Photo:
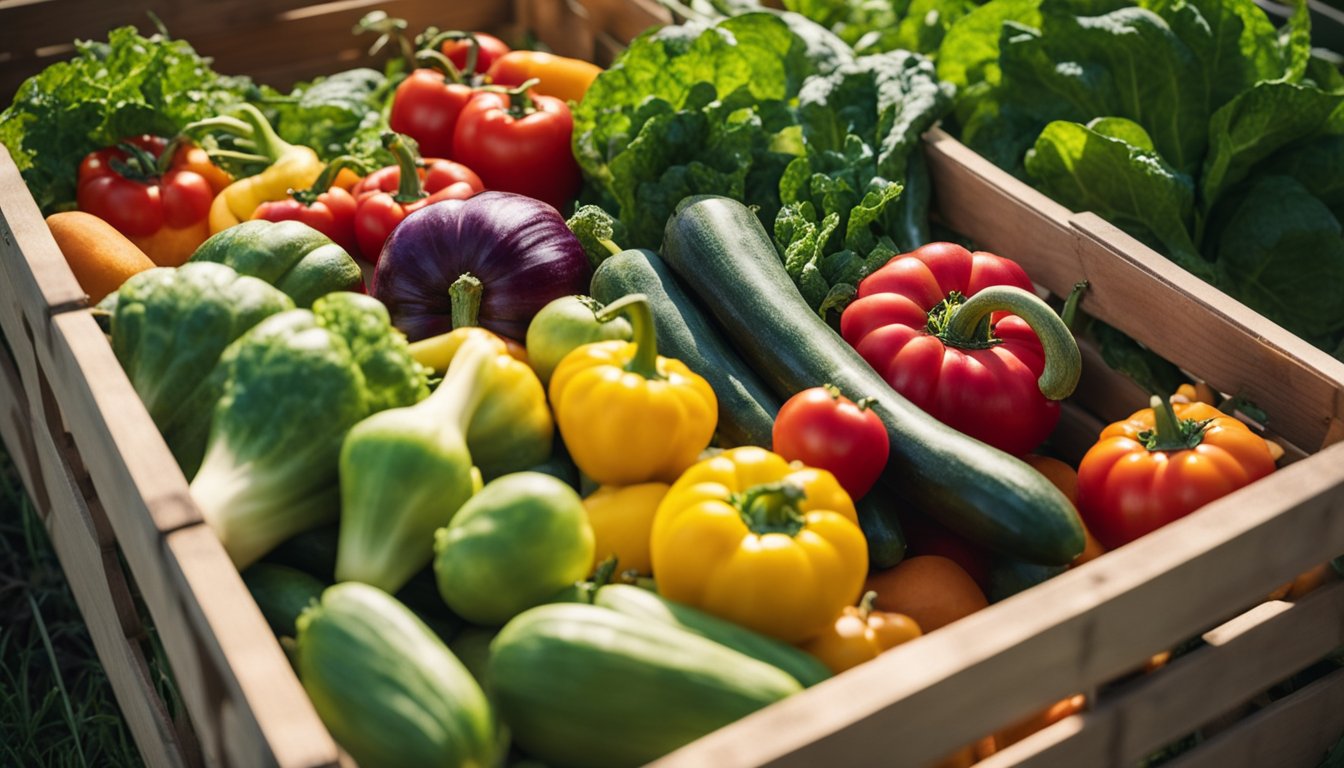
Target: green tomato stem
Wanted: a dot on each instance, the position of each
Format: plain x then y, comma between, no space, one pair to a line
645,334
1170,433
409,186
326,179
1063,361
771,508
464,296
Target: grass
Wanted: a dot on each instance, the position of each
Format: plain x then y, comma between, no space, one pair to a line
56,705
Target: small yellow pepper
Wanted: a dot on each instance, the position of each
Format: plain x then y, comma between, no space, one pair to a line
627,415
749,537
622,519
290,166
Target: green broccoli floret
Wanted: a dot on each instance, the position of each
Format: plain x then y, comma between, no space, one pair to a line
292,387
168,328
598,231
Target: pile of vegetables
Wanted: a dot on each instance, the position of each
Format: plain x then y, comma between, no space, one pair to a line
508,382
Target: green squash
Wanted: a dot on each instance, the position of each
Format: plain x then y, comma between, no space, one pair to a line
302,262
386,686
512,546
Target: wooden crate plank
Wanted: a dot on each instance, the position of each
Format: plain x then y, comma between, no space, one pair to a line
1294,732
1214,337
100,589
246,703
1244,657
978,199
16,430
35,278
1082,628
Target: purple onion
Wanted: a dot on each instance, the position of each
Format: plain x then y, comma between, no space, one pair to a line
518,248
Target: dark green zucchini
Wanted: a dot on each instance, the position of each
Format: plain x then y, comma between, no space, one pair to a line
747,407
281,593
718,248
881,529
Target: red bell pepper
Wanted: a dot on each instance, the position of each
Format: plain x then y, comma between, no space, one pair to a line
146,188
923,321
386,196
427,104
519,141
1161,464
325,206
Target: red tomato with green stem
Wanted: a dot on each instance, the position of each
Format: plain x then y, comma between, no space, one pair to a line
328,208
519,141
822,428
386,196
1161,464
459,46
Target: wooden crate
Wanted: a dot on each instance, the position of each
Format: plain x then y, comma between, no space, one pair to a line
106,485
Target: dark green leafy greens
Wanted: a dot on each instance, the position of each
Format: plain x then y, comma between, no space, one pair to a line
1194,125
759,107
128,85
341,114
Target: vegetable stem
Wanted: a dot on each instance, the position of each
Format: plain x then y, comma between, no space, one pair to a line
1063,361
409,186
464,296
645,336
463,388
1170,433
771,508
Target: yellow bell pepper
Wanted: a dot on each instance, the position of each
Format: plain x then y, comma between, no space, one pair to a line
626,414
622,519
290,166
749,537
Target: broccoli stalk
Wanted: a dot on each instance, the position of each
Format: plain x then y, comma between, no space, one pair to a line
292,387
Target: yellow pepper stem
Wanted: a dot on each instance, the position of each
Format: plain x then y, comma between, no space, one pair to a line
771,508
645,334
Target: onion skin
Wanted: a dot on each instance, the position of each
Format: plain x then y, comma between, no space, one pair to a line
519,249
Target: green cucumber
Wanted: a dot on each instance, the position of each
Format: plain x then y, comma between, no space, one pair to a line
1008,576
648,606
581,685
282,593
719,249
747,407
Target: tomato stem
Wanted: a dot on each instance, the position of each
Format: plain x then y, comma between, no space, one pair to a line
1063,361
464,296
771,508
326,179
473,52
409,186
635,306
1170,433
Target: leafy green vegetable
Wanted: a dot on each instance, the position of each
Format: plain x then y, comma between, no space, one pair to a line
876,26
168,330
320,372
1195,125
129,85
340,114
690,109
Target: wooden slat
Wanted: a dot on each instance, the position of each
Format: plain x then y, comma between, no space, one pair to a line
978,199
1294,732
147,500
1084,627
35,276
1244,657
88,557
273,41
246,703
1213,336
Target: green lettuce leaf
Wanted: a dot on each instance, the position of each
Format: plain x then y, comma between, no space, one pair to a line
1111,168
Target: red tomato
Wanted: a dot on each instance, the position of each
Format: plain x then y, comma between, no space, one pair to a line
519,142
1156,467
332,213
459,51
822,428
426,107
